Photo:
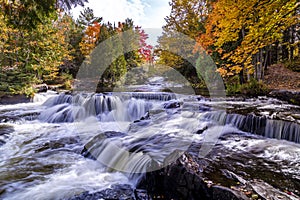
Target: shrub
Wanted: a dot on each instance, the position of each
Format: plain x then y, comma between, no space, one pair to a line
293,65
254,88
233,85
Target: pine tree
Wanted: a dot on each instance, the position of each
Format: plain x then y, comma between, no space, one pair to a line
87,18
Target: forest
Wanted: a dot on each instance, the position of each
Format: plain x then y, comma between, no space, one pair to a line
90,110
42,44
244,38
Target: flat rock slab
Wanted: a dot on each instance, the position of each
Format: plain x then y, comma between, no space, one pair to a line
292,97
14,99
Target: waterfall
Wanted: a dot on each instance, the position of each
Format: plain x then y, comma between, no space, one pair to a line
283,130
112,154
68,108
153,96
270,128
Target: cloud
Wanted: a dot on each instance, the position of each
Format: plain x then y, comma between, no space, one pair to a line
115,10
145,13
149,14
155,13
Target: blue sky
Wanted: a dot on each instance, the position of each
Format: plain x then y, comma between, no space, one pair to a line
145,13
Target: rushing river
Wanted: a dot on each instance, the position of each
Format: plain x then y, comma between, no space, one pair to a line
62,145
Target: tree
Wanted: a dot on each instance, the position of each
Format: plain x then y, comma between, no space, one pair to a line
242,32
186,17
73,36
90,39
32,56
28,14
116,49
87,18
145,50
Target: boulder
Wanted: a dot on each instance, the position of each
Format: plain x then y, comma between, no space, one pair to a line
41,88
292,97
14,99
183,179
116,192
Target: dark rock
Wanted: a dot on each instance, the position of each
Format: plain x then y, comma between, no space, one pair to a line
172,104
221,193
204,108
14,99
57,144
97,140
5,130
285,95
183,179
145,117
116,192
200,131
41,88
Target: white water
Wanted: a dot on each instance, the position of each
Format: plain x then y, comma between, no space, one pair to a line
41,157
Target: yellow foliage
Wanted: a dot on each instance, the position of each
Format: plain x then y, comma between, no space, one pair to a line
256,23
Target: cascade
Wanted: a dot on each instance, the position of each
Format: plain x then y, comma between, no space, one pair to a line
270,128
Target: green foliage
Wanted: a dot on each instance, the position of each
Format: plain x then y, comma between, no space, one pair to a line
293,65
31,57
186,18
87,18
73,35
66,80
233,85
108,49
28,14
254,88
243,31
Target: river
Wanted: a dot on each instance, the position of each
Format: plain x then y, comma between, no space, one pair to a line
61,145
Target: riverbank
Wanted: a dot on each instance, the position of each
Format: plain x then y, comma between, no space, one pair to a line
279,77
290,96
14,99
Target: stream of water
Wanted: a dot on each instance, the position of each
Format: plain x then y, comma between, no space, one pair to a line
62,145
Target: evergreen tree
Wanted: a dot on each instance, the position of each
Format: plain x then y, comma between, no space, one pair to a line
87,18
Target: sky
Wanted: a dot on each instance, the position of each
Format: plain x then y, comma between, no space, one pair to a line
145,13
149,14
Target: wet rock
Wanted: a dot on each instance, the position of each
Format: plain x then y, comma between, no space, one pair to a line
5,130
172,104
269,192
14,99
292,97
41,88
57,144
203,127
183,180
9,118
145,117
204,108
97,140
221,193
116,192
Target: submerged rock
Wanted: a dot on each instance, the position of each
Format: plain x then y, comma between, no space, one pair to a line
172,104
5,130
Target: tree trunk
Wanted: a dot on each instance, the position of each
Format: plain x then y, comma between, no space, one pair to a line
292,41
285,50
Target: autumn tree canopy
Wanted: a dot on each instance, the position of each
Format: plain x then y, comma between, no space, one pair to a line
243,32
